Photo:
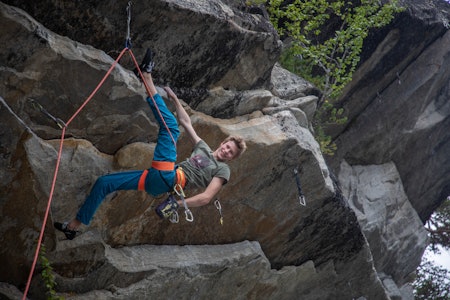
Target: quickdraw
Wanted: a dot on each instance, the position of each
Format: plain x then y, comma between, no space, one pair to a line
39,107
128,38
64,125
178,189
219,208
301,196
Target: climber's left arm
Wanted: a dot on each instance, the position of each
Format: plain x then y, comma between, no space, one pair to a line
207,195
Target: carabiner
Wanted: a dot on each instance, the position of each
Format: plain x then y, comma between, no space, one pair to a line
302,200
301,197
217,204
174,217
219,208
189,215
178,189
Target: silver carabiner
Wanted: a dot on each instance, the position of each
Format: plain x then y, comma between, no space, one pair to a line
174,217
302,200
179,190
217,204
219,208
301,197
189,215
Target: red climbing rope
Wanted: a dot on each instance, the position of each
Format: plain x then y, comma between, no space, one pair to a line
58,160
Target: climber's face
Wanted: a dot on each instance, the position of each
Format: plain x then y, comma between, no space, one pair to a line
226,151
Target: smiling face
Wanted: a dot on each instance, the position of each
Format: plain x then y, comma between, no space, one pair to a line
226,151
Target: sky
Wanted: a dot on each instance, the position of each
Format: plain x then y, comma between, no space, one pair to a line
442,259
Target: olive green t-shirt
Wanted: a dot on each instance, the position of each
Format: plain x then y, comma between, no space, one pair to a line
201,166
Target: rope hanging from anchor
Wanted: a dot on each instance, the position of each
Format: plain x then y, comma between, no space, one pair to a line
64,125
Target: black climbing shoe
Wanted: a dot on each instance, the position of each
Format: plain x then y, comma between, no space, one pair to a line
167,208
70,234
146,65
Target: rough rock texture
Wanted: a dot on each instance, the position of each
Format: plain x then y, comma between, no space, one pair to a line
376,195
223,66
399,99
216,44
236,271
8,291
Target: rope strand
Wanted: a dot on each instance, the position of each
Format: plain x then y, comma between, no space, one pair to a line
98,86
58,160
151,96
41,235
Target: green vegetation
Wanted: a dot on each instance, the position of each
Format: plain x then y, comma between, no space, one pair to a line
255,2
328,36
47,276
326,39
438,227
433,282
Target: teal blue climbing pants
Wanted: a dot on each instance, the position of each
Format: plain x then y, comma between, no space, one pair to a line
156,181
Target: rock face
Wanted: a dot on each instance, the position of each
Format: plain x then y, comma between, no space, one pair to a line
349,241
376,195
215,44
399,99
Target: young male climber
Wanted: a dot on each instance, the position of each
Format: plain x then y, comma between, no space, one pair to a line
204,168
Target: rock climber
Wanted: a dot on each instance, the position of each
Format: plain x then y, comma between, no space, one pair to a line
204,168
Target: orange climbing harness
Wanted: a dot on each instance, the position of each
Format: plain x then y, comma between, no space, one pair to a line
164,166
141,184
66,124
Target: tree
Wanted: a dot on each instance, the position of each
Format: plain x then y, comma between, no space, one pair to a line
433,282
438,227
327,36
326,42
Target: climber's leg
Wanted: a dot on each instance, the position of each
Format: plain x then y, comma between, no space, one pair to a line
102,187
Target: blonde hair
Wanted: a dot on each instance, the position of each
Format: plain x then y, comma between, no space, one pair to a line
240,143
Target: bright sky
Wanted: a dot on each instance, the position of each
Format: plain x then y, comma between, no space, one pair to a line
442,259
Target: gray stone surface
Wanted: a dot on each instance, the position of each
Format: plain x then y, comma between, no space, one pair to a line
328,249
391,225
398,105
203,272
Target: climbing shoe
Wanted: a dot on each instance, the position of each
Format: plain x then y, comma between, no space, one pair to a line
70,234
167,208
146,65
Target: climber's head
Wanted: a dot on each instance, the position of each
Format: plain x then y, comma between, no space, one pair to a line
232,147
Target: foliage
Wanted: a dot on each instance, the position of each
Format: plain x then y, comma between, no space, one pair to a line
47,276
328,115
432,282
329,35
326,43
254,2
438,227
